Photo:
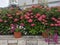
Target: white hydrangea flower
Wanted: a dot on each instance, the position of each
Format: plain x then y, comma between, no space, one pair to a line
24,28
21,27
25,33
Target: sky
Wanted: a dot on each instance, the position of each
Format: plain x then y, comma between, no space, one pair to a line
4,3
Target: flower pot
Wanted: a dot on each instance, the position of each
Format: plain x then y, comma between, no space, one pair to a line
45,34
17,34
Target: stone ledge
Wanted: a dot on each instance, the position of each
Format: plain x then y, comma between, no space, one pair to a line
10,37
24,40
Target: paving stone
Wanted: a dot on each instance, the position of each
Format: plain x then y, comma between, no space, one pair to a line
42,43
25,40
51,44
58,41
3,42
32,42
12,43
21,42
57,44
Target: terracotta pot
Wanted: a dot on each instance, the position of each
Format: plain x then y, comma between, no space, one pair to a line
45,34
17,34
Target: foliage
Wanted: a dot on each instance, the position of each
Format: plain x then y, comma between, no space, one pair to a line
35,20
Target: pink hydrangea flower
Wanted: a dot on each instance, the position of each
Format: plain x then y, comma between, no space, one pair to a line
52,25
9,15
46,23
32,16
54,19
44,20
37,15
11,24
31,13
1,20
21,17
32,25
30,20
56,24
15,20
28,14
27,17
22,24
30,10
58,21
40,18
43,16
33,6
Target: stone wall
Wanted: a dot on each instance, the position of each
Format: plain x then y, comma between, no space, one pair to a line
24,40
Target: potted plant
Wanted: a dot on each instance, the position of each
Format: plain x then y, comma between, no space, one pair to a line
18,32
45,34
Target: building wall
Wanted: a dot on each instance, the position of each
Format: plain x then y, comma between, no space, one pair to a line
29,2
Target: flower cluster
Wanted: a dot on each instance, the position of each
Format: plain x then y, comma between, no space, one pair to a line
57,21
35,19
